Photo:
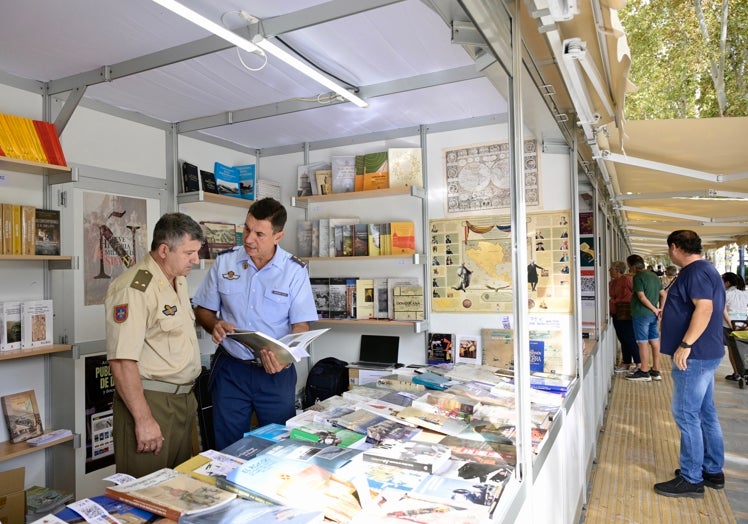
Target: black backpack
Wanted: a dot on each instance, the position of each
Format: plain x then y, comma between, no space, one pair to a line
328,377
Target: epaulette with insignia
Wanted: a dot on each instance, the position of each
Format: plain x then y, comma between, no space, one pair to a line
142,279
300,262
229,250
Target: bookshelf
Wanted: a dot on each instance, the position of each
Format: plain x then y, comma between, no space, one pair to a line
418,326
33,352
31,167
303,202
213,198
9,451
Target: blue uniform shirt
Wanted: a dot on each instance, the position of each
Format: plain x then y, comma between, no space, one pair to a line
269,300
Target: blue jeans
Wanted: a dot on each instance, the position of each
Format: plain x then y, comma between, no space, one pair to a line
701,444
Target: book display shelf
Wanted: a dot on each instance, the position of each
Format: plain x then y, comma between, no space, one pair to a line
9,450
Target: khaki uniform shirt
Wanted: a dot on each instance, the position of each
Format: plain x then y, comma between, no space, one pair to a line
147,321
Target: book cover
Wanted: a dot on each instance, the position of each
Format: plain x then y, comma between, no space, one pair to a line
462,492
537,354
376,181
251,511
42,500
431,380
439,349
343,172
36,323
28,230
22,415
324,237
481,451
208,465
447,404
329,457
334,246
403,239
408,303
336,237
305,177
321,293
409,454
468,349
359,420
381,299
246,177
227,180
274,432
286,482
347,240
392,283
400,383
391,429
351,304
376,162
329,435
287,350
170,494
315,238
406,166
10,331
498,347
338,307
432,421
365,298
323,181
387,477
249,446
7,228
121,511
47,239
50,436
208,182
17,236
190,178
219,236
304,230
361,240
373,240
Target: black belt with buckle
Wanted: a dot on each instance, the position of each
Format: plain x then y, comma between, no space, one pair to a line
255,362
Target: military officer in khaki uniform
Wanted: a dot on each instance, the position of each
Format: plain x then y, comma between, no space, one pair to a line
153,352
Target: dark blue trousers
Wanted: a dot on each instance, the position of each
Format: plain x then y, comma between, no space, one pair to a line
625,333
239,389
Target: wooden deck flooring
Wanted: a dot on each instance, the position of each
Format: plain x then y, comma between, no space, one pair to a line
639,446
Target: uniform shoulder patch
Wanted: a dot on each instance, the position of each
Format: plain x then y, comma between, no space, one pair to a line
229,250
300,262
142,279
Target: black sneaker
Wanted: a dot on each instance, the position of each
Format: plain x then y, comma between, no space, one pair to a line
656,375
680,487
711,480
732,376
639,375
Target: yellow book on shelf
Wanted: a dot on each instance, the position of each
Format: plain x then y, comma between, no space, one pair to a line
35,143
8,140
17,231
22,141
403,238
7,229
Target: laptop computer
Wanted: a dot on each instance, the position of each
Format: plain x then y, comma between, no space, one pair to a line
378,351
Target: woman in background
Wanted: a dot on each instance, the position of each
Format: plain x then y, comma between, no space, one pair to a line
620,289
736,308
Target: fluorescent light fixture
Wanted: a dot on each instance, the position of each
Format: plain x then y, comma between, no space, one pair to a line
260,46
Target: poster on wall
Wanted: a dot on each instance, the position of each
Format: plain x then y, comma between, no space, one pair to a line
471,264
114,238
99,418
478,176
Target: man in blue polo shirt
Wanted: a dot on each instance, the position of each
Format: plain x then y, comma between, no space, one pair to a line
255,287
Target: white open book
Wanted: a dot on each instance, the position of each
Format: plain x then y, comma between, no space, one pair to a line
289,349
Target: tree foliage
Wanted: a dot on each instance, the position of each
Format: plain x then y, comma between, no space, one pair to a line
686,62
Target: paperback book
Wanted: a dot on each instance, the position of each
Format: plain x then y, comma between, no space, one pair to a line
36,323
288,349
227,180
190,178
47,232
409,454
10,327
49,437
329,435
170,493
326,456
272,432
439,350
119,510
22,415
208,182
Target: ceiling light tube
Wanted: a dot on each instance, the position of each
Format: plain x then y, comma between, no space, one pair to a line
259,46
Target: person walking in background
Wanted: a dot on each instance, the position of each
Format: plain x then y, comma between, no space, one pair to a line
645,315
151,345
257,287
692,336
667,279
620,291
736,308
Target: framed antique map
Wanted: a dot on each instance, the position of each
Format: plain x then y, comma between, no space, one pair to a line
478,177
471,264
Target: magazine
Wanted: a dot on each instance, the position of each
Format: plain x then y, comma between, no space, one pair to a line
288,350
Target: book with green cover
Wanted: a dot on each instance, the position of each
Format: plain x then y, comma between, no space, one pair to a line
332,436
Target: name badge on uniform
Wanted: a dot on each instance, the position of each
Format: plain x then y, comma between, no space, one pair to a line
169,311
120,313
281,293
230,276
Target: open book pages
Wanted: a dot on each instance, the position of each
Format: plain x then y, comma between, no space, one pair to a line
288,350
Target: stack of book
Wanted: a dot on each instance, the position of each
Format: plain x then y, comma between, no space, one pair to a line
368,298
25,230
42,501
345,237
26,324
26,139
235,181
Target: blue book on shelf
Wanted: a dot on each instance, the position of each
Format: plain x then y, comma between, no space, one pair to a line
431,380
227,180
537,355
246,175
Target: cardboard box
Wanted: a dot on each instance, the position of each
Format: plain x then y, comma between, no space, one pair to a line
12,496
359,376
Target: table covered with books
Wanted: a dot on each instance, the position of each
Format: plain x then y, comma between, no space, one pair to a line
439,445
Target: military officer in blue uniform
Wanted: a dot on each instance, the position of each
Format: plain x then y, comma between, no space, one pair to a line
152,349
254,287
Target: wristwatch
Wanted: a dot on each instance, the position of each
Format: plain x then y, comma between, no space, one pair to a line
686,345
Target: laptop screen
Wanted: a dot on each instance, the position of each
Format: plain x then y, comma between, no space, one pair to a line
379,348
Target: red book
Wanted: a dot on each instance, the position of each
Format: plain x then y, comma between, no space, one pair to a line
50,142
